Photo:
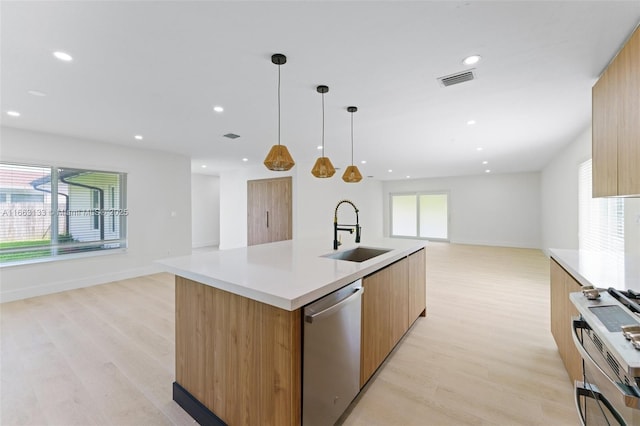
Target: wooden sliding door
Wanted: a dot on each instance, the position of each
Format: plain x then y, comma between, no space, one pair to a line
269,210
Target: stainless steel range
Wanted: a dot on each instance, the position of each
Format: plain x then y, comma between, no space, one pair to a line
607,335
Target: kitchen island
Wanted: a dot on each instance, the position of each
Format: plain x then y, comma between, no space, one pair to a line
239,321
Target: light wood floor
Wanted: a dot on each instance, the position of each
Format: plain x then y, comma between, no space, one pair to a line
483,355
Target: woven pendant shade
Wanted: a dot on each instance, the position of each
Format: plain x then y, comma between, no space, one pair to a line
323,168
279,159
352,175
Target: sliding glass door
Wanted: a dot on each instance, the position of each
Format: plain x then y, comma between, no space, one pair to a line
420,215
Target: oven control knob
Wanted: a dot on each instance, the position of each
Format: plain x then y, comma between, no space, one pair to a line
592,293
635,341
630,330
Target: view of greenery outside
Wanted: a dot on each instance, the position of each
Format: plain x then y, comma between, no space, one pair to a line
87,213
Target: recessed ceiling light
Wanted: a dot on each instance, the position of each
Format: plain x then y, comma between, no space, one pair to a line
408,176
363,162
479,148
245,159
473,59
138,137
471,122
487,171
204,166
36,93
13,113
63,56
485,162
319,147
390,170
218,108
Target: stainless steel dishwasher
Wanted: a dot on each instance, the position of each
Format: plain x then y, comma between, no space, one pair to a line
331,355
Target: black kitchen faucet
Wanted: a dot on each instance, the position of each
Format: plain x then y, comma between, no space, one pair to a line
343,227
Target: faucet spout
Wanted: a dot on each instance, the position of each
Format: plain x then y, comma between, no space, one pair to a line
343,227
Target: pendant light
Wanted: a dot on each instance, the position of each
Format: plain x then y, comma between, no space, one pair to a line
323,167
279,158
352,174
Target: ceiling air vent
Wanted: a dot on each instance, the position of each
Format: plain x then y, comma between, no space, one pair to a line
461,77
231,136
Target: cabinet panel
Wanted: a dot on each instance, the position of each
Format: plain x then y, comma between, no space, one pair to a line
375,340
399,301
605,136
269,210
393,298
240,358
628,74
417,285
562,310
615,124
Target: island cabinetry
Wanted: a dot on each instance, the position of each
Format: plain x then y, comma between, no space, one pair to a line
417,287
393,298
239,358
615,124
562,283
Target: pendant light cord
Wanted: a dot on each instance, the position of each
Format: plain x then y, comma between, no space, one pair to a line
352,139
278,104
323,124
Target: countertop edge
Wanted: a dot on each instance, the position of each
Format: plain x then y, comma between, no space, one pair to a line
370,266
566,265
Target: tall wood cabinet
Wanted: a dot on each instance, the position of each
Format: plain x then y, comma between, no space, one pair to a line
616,124
561,312
269,210
393,298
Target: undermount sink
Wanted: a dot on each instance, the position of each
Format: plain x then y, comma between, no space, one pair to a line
358,254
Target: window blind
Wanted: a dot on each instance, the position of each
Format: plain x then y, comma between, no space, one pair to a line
601,220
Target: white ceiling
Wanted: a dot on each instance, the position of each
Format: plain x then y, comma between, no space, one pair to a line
158,68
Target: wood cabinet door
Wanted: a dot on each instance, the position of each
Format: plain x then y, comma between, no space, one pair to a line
398,301
417,285
562,310
269,210
605,135
628,76
375,337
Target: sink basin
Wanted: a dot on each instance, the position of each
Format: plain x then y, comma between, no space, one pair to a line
358,254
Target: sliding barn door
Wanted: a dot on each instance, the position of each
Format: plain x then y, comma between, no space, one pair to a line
269,210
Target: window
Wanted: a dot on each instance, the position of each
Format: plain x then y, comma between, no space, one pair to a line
87,215
601,220
420,215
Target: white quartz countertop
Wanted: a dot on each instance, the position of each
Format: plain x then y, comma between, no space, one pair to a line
598,270
287,274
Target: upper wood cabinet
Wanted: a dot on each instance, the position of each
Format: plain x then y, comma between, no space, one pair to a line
616,124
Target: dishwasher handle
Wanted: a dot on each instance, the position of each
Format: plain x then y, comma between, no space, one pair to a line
357,293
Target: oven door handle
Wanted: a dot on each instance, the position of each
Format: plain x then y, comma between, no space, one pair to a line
591,391
576,323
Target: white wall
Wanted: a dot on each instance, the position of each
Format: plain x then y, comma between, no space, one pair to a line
317,200
498,210
314,202
205,210
159,221
559,203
